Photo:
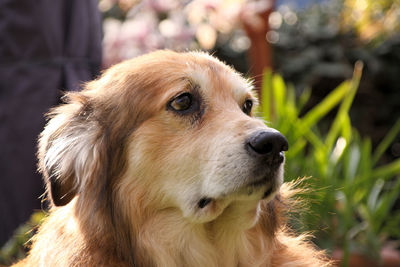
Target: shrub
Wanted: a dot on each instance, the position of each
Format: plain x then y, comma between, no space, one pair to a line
351,194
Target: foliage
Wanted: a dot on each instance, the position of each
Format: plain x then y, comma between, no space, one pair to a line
326,39
351,194
317,47
374,21
15,248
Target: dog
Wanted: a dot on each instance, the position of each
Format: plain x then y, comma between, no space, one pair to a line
160,162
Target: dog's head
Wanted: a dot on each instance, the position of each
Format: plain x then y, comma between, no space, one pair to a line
166,130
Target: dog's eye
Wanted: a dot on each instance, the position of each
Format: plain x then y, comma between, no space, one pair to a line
247,106
181,102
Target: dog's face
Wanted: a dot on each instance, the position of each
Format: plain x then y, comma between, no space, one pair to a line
174,131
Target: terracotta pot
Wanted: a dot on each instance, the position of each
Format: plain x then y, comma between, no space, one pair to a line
390,257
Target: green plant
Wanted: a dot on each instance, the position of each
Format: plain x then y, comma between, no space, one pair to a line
15,248
320,49
351,194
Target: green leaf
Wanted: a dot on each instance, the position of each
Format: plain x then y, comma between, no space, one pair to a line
279,95
381,148
303,99
385,205
388,170
342,118
346,128
391,226
365,161
266,94
373,196
296,148
291,102
288,119
353,162
321,109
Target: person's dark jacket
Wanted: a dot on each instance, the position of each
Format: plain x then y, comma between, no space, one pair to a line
45,46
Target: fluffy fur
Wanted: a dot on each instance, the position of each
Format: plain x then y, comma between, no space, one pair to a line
125,173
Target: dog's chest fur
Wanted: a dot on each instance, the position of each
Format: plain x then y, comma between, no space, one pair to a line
164,240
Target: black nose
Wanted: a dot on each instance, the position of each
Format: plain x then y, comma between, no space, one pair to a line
269,144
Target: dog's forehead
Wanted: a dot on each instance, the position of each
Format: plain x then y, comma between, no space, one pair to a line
212,75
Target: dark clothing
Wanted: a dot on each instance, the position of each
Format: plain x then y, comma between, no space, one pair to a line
45,46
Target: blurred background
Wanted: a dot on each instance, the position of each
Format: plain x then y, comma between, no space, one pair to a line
328,76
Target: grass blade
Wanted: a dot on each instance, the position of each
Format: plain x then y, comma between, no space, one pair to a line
344,108
326,105
279,95
381,148
266,94
388,170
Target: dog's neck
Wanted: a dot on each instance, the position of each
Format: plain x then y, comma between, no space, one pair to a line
235,238
87,237
241,236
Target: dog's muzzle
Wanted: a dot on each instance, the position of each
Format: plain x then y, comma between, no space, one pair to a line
266,149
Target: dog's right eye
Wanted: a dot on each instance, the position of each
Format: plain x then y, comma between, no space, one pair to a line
182,102
247,106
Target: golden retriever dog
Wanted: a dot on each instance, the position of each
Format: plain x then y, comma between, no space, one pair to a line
159,162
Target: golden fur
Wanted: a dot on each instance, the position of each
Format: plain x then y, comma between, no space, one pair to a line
125,174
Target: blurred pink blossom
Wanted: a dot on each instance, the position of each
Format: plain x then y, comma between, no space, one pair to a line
176,25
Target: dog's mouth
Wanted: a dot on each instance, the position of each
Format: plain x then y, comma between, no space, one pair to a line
261,182
266,184
264,187
203,202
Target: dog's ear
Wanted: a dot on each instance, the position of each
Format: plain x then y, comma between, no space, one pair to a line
70,150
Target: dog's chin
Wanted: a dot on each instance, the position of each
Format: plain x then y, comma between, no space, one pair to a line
264,188
208,208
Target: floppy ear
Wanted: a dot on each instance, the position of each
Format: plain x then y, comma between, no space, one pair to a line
70,150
